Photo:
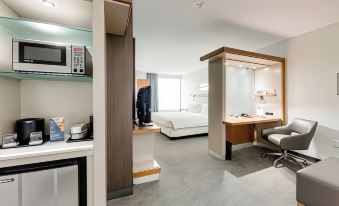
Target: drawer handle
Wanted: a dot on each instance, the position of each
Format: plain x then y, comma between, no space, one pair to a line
4,181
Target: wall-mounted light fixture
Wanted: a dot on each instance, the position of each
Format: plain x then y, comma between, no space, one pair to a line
203,87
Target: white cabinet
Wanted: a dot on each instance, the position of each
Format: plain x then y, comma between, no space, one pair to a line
38,188
52,187
67,186
9,190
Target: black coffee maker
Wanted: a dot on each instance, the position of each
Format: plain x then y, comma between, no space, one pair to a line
25,128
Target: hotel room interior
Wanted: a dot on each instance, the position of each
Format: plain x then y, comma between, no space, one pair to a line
182,102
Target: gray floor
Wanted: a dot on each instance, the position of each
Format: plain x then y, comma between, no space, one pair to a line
189,176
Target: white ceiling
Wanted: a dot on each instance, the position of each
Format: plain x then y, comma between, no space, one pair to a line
172,35
68,12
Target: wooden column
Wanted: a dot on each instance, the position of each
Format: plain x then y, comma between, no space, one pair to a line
216,107
120,70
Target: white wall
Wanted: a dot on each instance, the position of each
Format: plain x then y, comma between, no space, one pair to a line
269,78
140,75
47,99
190,85
9,88
9,105
99,104
239,90
312,67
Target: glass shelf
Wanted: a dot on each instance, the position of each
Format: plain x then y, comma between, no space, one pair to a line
47,77
41,31
34,30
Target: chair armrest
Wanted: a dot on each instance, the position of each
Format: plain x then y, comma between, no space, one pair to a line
276,130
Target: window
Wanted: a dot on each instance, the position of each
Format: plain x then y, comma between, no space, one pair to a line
169,93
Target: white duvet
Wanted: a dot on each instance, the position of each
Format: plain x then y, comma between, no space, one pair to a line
180,120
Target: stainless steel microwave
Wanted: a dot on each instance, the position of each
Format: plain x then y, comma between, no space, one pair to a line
46,57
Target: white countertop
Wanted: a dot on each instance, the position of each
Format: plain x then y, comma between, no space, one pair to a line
48,148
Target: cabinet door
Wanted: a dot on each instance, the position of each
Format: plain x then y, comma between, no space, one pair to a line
54,187
38,188
9,190
67,186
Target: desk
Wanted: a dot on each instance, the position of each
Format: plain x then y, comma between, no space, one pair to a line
243,130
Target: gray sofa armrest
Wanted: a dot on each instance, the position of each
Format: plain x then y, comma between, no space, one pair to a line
276,130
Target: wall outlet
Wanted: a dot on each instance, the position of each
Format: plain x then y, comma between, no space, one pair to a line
336,143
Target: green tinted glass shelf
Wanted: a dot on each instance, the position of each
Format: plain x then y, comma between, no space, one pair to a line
34,30
47,77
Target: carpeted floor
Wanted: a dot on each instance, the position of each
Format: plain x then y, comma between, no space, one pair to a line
189,176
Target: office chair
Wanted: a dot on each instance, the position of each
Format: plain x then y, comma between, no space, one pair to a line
295,136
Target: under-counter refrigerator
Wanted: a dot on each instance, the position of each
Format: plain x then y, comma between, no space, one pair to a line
41,187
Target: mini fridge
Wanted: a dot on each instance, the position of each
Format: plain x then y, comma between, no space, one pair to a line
41,187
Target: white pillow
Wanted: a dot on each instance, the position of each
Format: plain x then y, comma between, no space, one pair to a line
194,108
204,109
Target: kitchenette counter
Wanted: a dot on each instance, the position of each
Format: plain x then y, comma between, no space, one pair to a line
48,148
54,152
48,151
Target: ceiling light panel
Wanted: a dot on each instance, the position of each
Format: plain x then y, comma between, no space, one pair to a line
49,3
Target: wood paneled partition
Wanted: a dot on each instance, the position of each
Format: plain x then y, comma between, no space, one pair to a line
216,107
120,69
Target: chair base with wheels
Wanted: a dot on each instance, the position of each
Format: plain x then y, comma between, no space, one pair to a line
286,156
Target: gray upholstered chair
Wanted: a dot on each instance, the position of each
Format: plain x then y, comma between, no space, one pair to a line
295,136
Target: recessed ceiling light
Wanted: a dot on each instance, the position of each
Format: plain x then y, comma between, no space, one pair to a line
241,66
254,67
49,3
199,3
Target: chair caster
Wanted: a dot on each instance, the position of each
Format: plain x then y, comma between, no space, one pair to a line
305,163
264,155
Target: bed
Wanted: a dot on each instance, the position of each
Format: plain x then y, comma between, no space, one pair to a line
177,125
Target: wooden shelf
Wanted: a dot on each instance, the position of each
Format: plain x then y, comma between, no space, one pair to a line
20,28
265,95
146,130
146,168
47,77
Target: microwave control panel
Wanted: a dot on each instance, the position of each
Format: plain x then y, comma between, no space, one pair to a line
78,59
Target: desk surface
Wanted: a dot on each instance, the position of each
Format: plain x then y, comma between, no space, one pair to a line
252,120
